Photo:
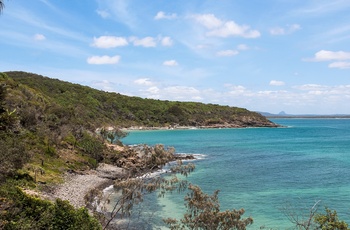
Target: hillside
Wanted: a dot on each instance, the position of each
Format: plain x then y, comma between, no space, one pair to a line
50,129
90,106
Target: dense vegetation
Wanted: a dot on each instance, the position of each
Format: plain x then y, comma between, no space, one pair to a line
86,105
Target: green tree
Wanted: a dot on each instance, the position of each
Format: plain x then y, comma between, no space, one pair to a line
203,212
13,155
114,135
329,221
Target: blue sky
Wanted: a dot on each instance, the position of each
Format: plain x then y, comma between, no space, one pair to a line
270,55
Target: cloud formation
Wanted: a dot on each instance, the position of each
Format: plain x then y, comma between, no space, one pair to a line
276,83
170,63
227,53
325,55
109,42
144,81
39,37
339,57
162,15
219,28
102,60
166,41
145,42
289,29
103,13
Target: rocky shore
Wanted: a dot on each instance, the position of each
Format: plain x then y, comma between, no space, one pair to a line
214,126
78,185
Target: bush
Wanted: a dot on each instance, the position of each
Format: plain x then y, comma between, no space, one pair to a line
21,211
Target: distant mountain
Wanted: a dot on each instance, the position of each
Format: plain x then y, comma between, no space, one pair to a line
282,114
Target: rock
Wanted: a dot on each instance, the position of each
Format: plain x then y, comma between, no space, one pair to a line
110,171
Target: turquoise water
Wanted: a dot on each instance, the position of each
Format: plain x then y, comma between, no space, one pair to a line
264,170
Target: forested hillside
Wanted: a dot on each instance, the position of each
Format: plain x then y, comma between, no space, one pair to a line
36,95
49,127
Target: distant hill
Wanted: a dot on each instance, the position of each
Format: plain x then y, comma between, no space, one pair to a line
282,114
44,97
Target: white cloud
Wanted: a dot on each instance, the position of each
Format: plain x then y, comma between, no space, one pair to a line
162,15
219,28
109,42
182,92
170,63
325,55
230,28
104,85
242,47
227,53
289,29
277,31
340,65
166,41
154,90
39,37
235,90
208,20
143,81
341,91
277,83
101,60
145,42
310,87
103,13
339,58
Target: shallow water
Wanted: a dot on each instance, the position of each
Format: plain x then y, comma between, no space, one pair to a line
263,170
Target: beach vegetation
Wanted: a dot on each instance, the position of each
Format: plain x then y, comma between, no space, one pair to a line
329,221
203,212
21,211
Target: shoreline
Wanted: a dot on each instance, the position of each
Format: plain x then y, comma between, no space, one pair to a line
78,187
233,126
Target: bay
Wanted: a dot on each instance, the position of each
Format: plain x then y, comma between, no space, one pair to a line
267,171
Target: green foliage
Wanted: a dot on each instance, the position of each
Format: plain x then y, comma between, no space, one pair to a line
113,135
98,107
92,146
203,212
329,221
21,211
13,154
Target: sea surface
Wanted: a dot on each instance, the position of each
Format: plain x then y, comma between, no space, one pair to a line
273,173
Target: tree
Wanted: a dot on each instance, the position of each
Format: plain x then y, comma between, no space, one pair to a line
301,218
13,154
114,135
330,221
133,190
203,212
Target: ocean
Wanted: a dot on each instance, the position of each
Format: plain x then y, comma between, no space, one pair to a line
273,173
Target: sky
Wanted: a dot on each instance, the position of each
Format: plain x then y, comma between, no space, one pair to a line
262,55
